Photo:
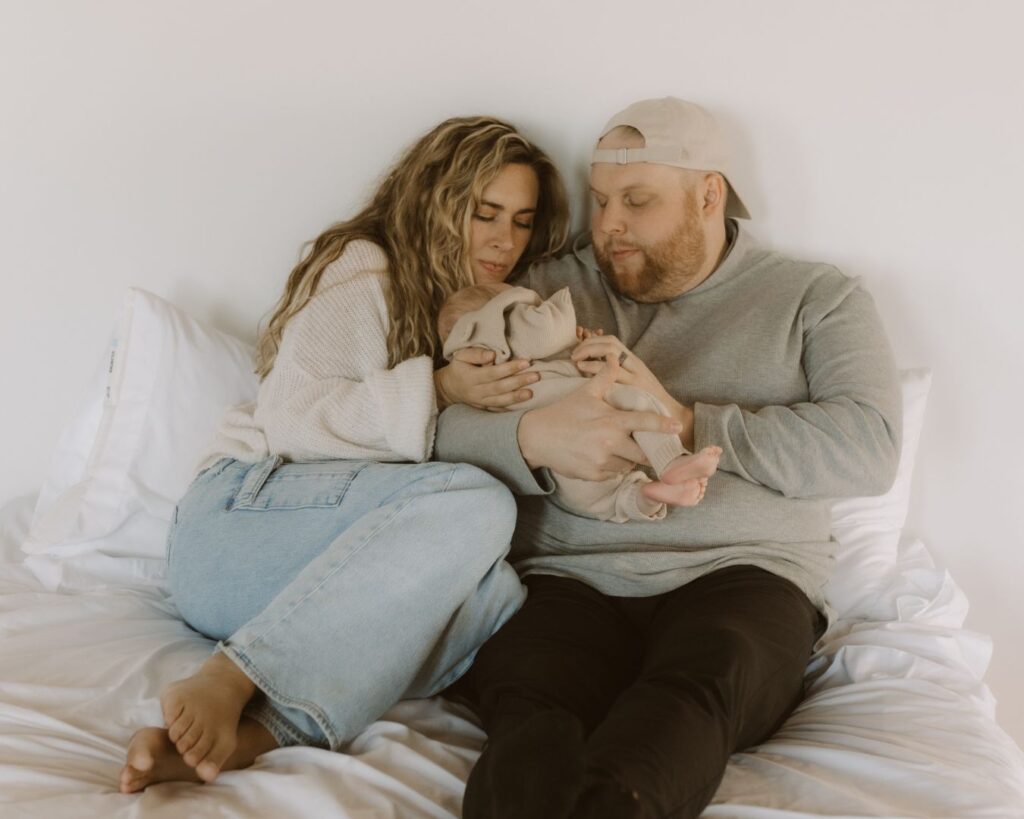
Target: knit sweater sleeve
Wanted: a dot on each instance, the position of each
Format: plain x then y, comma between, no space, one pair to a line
330,393
845,438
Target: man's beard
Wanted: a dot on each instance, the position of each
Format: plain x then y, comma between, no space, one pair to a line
671,267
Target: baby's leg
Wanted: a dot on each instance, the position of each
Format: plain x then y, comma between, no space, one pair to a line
684,479
688,493
702,464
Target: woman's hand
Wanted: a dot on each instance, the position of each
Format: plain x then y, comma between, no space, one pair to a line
590,355
582,333
472,378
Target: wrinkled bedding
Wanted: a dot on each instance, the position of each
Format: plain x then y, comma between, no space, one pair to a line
897,722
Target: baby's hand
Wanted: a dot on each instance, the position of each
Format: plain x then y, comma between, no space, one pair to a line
582,333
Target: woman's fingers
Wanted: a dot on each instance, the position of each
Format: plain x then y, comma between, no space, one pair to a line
474,355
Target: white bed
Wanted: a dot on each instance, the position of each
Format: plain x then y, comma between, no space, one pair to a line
897,722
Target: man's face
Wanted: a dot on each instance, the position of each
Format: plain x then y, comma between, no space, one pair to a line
649,235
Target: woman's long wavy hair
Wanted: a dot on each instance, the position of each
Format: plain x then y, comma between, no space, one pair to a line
421,215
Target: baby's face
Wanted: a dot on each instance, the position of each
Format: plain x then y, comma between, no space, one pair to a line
465,301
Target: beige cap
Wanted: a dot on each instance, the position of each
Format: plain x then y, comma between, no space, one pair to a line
675,133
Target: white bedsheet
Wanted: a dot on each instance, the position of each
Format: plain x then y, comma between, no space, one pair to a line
898,722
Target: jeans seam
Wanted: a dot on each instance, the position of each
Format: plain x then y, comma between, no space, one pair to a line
273,693
281,729
240,651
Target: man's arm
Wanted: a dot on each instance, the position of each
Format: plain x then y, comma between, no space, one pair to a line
489,440
845,439
580,436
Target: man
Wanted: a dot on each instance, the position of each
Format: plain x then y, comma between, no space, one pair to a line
646,653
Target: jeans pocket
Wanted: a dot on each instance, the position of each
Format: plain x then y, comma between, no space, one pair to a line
273,484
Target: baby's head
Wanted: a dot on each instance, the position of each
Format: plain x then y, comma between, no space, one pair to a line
465,301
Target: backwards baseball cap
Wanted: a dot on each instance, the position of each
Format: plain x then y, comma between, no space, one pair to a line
676,133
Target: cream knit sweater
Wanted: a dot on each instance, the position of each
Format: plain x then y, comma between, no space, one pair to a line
330,394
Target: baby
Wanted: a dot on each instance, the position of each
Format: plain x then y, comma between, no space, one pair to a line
516,322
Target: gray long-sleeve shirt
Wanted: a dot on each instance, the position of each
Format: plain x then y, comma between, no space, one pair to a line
788,369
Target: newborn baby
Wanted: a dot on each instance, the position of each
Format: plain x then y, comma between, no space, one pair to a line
515,322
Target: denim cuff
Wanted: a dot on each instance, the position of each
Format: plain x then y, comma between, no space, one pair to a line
285,734
262,709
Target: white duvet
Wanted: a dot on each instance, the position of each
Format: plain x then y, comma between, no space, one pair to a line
897,722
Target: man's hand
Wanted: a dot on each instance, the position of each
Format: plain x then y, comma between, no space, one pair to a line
634,372
472,378
582,436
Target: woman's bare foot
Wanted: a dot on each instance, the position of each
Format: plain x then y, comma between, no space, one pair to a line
702,464
202,714
153,758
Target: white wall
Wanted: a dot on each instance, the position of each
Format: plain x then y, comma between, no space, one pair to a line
191,147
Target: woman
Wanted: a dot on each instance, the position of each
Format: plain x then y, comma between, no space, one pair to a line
317,544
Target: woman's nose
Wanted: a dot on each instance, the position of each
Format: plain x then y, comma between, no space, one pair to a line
501,238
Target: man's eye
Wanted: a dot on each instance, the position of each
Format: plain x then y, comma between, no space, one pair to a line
637,203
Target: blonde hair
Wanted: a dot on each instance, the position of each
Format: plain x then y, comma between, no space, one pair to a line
465,301
420,216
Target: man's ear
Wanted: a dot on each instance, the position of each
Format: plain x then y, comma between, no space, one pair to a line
714,192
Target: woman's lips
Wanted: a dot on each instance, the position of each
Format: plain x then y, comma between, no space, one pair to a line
492,267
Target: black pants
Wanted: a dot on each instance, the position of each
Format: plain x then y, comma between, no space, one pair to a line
663,689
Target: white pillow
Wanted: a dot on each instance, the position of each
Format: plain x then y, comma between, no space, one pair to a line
868,528
130,454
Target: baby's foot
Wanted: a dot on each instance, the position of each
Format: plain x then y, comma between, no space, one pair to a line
688,493
202,714
702,464
152,757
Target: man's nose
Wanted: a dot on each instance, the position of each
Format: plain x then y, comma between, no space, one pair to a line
610,221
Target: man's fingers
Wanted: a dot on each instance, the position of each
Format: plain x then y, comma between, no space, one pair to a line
593,367
628,453
597,347
604,378
647,422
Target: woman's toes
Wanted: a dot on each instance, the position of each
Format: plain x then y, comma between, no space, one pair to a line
190,738
198,752
177,729
207,770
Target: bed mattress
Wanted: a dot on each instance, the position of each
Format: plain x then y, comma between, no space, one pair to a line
897,721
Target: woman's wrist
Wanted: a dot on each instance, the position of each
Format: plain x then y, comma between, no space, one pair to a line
440,391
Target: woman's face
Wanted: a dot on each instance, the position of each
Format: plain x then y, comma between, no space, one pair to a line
503,223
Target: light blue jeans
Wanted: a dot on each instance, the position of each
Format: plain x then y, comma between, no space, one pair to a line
340,587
